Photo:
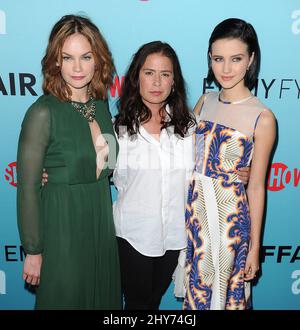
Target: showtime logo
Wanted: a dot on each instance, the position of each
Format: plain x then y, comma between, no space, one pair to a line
11,174
280,176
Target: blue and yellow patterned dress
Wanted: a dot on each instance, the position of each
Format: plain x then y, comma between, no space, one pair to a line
217,213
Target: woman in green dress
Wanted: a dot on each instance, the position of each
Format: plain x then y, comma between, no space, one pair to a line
66,228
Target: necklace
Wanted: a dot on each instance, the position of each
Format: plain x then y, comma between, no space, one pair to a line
234,102
87,111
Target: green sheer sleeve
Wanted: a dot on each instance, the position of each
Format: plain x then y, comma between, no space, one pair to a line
33,142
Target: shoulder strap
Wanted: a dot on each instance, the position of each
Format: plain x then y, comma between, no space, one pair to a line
256,120
199,105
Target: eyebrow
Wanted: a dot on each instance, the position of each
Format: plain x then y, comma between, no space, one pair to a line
156,70
80,55
230,56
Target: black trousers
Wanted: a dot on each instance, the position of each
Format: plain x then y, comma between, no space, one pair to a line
144,279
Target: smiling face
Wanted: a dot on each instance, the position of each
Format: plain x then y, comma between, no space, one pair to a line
229,62
156,79
78,63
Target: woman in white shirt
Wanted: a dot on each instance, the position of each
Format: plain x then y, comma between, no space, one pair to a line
153,167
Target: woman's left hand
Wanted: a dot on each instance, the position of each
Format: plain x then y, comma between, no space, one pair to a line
244,174
252,264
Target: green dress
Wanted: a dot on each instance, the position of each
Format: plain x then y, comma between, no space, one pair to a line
69,220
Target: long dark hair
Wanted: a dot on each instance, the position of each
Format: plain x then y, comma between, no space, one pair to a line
235,28
133,112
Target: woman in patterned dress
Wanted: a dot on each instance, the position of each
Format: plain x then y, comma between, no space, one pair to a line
223,219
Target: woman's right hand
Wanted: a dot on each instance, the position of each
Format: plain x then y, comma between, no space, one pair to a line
32,269
44,177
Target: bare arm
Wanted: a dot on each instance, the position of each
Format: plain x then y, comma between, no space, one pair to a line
264,139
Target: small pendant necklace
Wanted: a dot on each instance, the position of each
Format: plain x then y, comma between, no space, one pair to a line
87,110
235,102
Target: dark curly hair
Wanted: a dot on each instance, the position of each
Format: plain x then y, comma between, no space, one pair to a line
133,112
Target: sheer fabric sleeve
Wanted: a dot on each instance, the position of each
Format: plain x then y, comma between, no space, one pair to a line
33,142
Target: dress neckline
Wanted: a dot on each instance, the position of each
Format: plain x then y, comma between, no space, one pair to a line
234,102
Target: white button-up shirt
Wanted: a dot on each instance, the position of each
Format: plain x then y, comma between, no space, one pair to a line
152,178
